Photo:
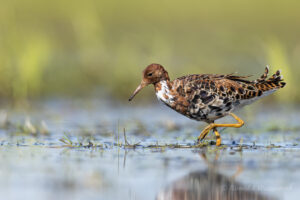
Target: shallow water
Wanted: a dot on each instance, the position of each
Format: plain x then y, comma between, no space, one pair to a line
80,153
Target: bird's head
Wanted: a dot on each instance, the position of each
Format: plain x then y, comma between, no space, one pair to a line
153,74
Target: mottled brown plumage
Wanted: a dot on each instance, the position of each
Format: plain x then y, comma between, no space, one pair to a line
207,97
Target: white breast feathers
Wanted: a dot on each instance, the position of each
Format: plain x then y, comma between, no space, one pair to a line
164,93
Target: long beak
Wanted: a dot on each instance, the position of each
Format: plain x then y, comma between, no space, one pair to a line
141,86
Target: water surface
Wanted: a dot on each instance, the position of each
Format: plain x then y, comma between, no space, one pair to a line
77,150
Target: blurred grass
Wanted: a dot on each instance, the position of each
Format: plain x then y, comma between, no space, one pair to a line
76,48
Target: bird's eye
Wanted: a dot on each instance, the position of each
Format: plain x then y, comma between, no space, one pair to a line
150,74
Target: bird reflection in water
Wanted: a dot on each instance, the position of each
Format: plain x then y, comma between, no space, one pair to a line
210,185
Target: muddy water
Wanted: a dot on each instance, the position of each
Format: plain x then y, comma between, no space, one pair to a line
63,150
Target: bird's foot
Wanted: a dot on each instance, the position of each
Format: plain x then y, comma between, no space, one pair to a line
205,132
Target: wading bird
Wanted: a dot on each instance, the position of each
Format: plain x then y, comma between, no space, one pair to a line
208,97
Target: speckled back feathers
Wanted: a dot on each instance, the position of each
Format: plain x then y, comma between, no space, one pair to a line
207,97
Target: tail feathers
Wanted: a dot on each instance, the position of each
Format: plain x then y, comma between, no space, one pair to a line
264,76
273,83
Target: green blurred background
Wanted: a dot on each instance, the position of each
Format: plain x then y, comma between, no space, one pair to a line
91,48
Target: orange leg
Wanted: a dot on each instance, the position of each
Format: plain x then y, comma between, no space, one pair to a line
218,137
214,126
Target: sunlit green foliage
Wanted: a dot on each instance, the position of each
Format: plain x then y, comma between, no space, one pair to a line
78,48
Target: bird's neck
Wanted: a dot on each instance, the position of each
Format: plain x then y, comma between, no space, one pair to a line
163,91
